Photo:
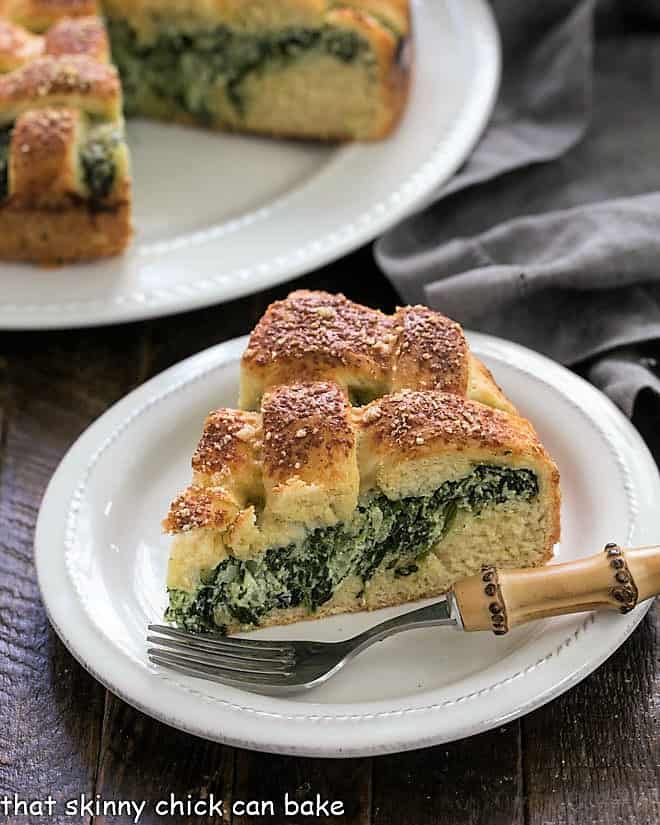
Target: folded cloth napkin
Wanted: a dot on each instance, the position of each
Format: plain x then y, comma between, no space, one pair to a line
550,234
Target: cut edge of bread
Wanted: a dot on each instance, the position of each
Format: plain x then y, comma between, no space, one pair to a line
434,582
67,234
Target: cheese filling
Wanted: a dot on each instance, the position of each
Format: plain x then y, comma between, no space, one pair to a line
191,71
382,535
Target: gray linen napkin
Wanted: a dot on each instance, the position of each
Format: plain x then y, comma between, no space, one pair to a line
550,234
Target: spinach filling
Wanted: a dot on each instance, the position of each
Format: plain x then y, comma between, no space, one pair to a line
98,164
5,137
184,68
361,396
383,534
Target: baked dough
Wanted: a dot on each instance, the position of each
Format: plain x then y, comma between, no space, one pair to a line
65,188
312,505
314,334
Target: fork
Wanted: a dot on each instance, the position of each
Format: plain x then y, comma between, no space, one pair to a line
492,600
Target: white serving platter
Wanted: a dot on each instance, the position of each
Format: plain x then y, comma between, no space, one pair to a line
218,216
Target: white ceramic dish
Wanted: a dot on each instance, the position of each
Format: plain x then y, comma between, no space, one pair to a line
242,213
101,563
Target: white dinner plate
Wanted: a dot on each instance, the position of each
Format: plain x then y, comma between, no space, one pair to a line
219,216
101,562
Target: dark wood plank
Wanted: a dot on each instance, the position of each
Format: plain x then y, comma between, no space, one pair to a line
145,761
51,388
266,777
476,781
592,756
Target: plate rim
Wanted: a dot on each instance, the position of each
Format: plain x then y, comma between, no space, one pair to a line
136,304
195,366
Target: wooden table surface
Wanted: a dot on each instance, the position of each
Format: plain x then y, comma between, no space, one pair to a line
589,757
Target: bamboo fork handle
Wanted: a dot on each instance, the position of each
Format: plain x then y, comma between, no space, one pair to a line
618,579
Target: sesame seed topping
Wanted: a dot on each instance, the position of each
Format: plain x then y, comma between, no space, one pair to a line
322,330
196,507
228,439
327,434
409,420
325,312
57,75
431,352
324,336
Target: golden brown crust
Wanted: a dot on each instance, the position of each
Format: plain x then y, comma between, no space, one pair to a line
225,470
394,13
75,80
17,46
395,88
430,352
307,431
82,35
415,424
313,335
225,444
317,335
71,232
42,157
198,507
39,15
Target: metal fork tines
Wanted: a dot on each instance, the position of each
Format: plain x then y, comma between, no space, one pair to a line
244,661
274,666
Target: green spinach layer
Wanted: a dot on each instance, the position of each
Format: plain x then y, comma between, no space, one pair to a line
98,164
5,137
183,68
382,534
